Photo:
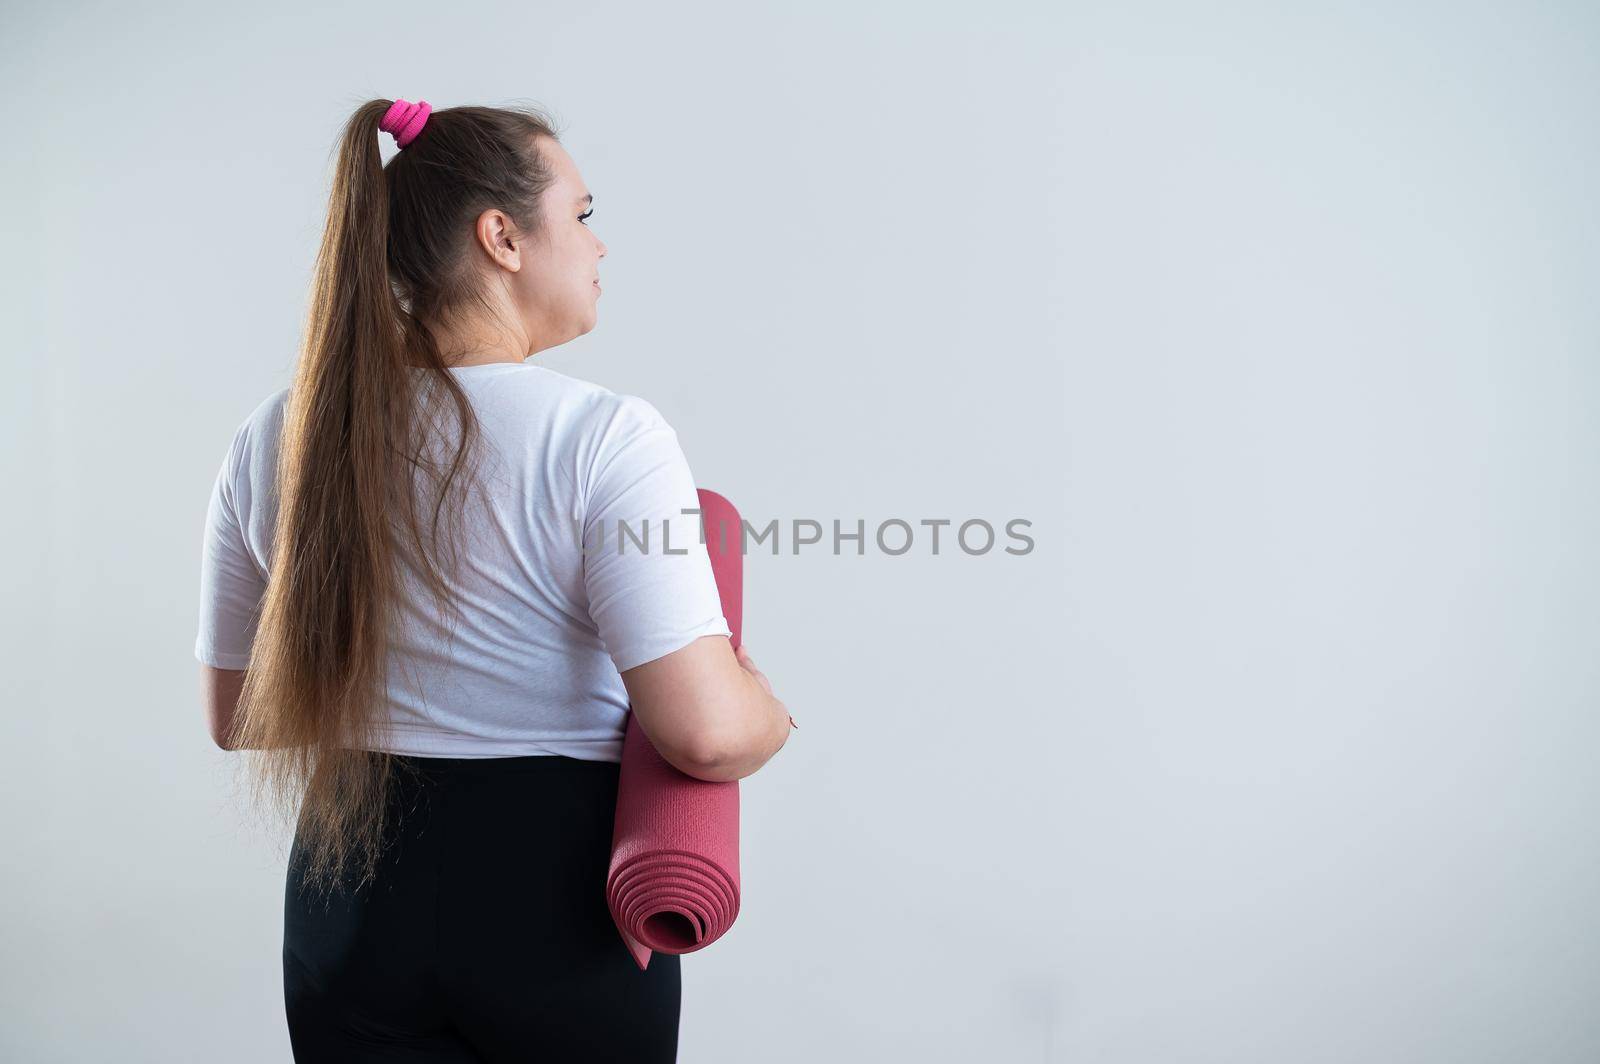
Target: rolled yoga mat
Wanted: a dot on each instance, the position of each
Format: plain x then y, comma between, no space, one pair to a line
674,879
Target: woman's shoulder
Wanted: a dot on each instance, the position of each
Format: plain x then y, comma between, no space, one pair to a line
593,408
257,435
268,414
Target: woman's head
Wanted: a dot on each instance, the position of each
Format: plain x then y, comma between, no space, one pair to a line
553,276
488,238
471,245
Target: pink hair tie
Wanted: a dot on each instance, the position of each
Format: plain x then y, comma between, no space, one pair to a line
405,120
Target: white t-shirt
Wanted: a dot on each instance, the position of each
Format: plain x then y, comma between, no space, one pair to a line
546,626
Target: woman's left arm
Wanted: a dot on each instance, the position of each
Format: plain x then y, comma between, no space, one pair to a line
219,693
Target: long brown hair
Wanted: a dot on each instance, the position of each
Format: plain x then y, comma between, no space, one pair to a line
359,476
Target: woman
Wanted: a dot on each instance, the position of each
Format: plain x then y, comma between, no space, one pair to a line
426,613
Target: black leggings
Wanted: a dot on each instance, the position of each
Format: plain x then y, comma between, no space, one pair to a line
485,936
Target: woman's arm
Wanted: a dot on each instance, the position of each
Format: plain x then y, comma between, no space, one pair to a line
708,711
219,692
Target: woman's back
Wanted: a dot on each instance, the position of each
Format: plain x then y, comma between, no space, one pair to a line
531,663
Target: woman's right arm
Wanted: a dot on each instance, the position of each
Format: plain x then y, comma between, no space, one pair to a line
704,707
708,710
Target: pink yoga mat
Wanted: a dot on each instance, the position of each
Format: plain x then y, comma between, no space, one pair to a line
673,886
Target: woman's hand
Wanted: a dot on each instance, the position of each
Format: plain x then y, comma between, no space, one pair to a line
748,664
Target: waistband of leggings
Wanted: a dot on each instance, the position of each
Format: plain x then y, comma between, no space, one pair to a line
494,766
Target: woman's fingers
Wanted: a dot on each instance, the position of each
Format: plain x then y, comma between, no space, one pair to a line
748,663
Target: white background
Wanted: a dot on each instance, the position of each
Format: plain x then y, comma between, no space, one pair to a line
1277,321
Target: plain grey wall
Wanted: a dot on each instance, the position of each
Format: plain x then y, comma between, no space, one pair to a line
1277,321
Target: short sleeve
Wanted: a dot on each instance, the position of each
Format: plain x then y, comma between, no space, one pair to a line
231,583
647,574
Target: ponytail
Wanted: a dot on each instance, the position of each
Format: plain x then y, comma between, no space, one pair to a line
370,399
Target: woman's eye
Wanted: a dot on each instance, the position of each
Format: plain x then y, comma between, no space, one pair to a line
585,215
